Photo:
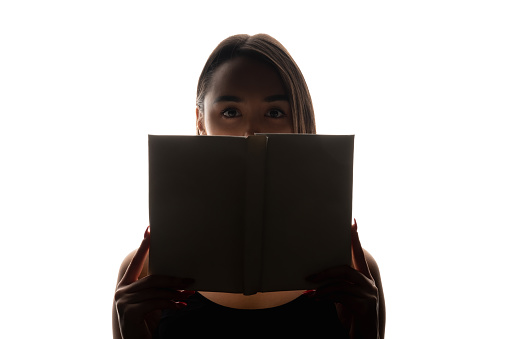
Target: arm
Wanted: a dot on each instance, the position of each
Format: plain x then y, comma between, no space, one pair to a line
356,291
121,272
375,273
139,298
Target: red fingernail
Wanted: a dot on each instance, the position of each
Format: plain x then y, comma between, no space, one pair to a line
147,231
187,293
309,293
180,304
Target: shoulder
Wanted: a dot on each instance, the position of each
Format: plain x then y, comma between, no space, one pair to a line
373,267
375,273
125,264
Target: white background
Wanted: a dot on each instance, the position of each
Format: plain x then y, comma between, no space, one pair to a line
424,85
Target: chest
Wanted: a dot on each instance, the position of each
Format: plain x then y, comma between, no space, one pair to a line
252,302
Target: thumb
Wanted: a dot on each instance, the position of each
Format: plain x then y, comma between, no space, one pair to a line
135,267
358,258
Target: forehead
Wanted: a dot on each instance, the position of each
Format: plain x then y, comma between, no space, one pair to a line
245,75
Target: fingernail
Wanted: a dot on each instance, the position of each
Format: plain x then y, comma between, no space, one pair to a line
147,231
180,305
187,293
309,293
354,224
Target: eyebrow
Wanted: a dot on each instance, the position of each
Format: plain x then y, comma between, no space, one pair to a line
277,97
232,98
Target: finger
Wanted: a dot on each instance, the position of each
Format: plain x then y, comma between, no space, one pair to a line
352,303
135,267
341,273
154,293
140,310
337,296
159,281
345,287
359,260
336,287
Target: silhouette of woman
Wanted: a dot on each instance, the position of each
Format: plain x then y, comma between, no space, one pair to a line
251,84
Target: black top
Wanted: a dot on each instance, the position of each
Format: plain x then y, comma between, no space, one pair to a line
202,318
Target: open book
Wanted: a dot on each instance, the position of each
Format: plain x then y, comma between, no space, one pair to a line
249,214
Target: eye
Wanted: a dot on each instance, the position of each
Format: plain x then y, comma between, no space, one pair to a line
275,113
230,113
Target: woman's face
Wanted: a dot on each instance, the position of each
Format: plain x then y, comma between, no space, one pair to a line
245,96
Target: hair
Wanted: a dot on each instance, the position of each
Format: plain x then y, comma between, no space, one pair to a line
264,48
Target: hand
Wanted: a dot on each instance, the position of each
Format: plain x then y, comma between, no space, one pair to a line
139,302
353,290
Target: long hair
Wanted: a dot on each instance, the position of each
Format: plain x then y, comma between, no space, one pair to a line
265,48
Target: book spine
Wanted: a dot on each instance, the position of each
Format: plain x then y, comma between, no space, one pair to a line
253,226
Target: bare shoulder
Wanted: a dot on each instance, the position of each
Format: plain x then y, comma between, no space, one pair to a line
375,273
127,261
373,267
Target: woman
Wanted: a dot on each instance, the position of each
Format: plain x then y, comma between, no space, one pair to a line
251,84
